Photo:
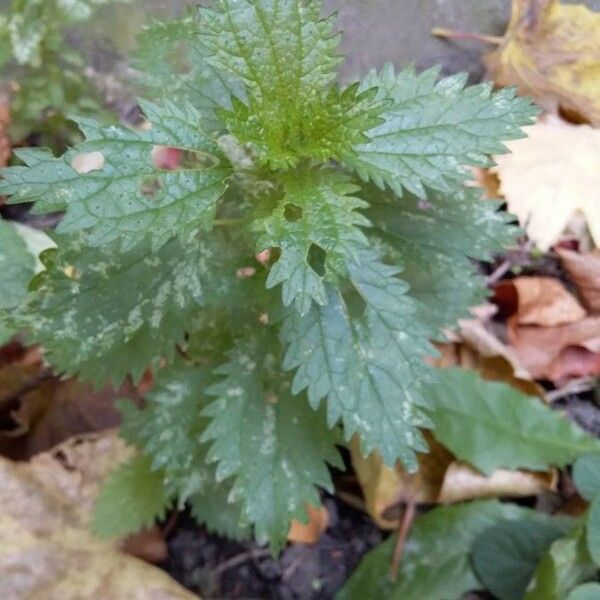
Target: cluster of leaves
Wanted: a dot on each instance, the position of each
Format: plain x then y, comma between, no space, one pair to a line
51,84
513,552
291,270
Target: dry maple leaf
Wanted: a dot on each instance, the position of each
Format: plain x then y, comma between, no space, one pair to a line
552,52
550,176
46,548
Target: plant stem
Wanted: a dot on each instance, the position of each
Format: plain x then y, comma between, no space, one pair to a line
466,35
410,512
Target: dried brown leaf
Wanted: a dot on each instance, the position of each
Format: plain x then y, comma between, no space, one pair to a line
46,548
309,533
541,301
440,479
546,351
584,272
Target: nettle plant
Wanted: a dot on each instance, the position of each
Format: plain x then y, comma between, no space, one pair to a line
284,280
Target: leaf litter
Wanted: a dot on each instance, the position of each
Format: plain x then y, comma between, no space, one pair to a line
550,332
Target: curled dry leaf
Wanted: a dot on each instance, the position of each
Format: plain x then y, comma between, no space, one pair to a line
441,479
584,272
310,532
558,353
475,334
39,410
551,52
539,301
491,368
45,545
551,175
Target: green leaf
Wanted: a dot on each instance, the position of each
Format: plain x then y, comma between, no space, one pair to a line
102,314
276,47
434,129
125,197
19,249
316,209
506,555
324,126
286,55
17,266
436,562
272,444
132,498
168,431
593,530
586,475
172,64
505,427
435,241
369,367
587,591
566,565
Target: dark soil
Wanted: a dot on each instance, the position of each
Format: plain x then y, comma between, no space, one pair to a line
216,568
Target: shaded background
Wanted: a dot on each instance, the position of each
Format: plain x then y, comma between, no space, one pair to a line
375,31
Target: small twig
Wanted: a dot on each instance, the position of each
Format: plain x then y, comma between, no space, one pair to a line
509,263
405,526
240,559
294,566
576,386
351,500
468,36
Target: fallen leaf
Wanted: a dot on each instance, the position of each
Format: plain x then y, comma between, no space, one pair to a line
486,180
574,362
539,301
584,272
462,482
45,543
56,410
475,334
492,368
38,410
310,532
551,51
551,175
546,351
440,479
148,544
20,370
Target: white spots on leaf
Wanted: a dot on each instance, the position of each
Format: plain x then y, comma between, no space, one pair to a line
86,162
267,446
